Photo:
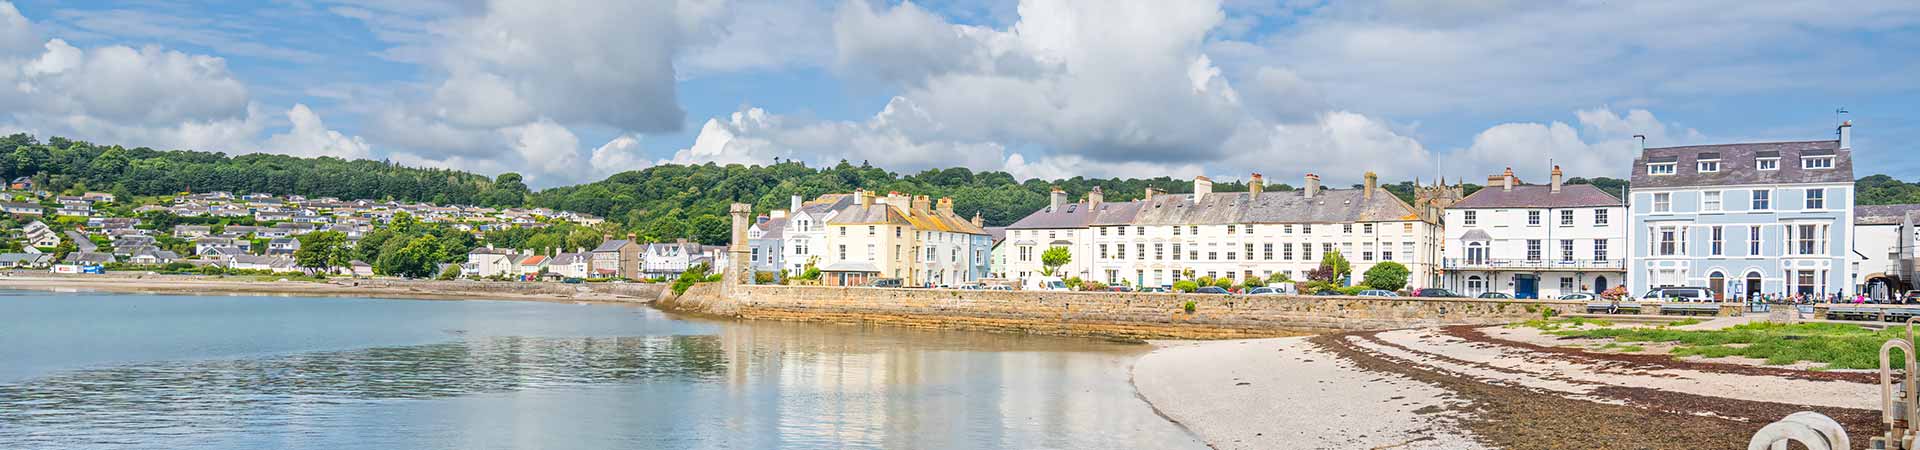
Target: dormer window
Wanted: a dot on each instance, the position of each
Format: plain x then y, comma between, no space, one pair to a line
1767,163
1661,168
1710,166
1816,162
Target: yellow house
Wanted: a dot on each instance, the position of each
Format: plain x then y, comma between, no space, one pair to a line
868,240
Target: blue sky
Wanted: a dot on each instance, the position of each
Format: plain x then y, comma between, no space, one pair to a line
568,91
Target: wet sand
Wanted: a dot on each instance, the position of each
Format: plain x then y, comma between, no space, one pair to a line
1459,387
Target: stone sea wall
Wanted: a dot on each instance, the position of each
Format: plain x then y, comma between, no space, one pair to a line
1103,314
638,292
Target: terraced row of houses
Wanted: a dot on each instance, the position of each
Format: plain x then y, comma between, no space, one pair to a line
1746,220
858,238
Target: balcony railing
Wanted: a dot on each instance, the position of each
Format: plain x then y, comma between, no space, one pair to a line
1534,264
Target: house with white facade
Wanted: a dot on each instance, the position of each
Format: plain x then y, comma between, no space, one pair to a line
1536,241
764,241
571,265
1061,224
804,237
671,259
1883,249
489,261
1771,218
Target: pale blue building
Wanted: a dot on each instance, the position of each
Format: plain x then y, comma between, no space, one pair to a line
1744,219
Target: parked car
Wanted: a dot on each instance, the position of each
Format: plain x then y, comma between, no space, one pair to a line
1045,284
1577,297
1679,294
1496,295
1154,289
1377,293
885,283
1327,293
1119,289
999,287
1210,290
1263,290
1435,293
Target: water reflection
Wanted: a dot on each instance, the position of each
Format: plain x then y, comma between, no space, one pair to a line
122,403
265,373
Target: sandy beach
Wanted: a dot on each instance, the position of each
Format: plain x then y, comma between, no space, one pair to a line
1468,387
419,290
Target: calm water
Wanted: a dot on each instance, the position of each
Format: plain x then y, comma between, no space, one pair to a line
133,371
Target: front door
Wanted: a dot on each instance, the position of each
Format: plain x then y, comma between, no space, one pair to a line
1526,286
1718,283
1600,285
1753,286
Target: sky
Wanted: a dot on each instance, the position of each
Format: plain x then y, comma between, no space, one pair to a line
571,91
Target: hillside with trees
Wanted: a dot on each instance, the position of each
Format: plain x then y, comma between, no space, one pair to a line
659,203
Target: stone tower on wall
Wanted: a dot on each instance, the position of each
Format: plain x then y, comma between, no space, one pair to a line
739,254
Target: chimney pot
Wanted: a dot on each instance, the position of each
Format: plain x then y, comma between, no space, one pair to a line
1846,135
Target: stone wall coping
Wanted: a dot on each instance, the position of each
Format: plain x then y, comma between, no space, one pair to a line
1188,296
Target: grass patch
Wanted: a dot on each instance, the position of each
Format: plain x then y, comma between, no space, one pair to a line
1615,346
1840,346
1558,324
1684,322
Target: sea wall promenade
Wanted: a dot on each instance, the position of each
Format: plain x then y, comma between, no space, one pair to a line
343,287
1102,314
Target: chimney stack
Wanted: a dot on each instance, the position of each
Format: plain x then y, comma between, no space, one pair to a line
632,237
1152,192
1254,187
1373,182
1313,186
979,221
1202,186
1556,179
1094,197
1846,135
793,203
1506,180
945,205
1057,200
864,198
922,203
898,200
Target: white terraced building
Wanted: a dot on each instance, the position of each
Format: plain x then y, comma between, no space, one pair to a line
1534,241
1235,235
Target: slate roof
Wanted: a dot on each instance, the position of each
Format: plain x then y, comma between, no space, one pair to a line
1219,208
611,245
878,213
1539,196
1476,235
1737,165
998,233
1883,214
773,228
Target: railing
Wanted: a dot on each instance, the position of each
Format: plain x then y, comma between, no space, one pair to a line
1539,264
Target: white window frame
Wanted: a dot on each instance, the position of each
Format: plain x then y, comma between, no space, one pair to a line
1709,166
1660,169
1470,217
1566,217
1600,218
1533,218
1810,199
1663,202
1767,164
1712,201
1816,162
1754,202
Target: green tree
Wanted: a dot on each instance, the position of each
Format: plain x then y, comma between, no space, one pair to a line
322,250
1387,276
1185,286
1334,267
1053,258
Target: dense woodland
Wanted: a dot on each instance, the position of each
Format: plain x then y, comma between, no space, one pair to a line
659,203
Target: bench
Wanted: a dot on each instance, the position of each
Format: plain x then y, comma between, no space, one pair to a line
1690,309
1872,314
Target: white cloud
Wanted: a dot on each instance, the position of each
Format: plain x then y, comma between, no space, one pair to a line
1606,149
753,136
621,154
310,137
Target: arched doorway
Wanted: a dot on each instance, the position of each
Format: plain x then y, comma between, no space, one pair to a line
1600,285
1718,283
1881,287
1753,285
1475,286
